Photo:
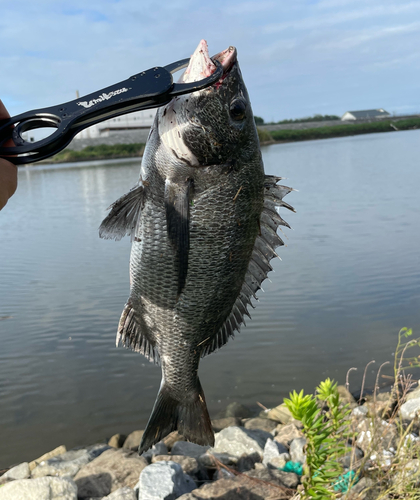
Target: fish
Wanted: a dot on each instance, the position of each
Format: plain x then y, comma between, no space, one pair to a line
203,221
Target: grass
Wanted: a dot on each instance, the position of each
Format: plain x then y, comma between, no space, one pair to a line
344,130
100,152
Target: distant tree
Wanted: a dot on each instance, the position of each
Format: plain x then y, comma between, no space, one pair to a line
315,118
258,120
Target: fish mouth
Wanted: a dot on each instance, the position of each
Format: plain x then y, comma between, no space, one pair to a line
202,66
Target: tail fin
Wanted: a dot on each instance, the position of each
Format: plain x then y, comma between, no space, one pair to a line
190,417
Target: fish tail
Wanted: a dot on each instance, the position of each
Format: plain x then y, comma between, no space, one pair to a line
189,417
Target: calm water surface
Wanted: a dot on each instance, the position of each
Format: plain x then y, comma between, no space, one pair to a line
349,280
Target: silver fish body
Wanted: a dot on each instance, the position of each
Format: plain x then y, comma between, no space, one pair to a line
203,222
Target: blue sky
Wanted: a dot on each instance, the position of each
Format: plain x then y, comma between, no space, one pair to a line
298,57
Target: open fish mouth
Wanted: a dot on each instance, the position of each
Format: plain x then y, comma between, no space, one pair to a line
202,66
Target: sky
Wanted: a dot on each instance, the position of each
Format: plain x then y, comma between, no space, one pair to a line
297,57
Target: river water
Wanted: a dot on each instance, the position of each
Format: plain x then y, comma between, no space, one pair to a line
348,281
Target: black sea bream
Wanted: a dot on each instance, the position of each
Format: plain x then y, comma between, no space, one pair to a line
203,222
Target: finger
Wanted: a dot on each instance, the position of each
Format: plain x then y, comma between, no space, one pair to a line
3,115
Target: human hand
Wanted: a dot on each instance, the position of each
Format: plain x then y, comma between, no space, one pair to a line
8,171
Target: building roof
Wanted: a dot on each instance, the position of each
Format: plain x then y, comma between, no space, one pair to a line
368,113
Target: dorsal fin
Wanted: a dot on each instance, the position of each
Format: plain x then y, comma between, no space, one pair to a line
259,265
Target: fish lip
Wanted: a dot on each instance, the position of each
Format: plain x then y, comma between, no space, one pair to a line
202,66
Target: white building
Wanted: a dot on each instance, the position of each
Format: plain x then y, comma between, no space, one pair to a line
132,121
365,115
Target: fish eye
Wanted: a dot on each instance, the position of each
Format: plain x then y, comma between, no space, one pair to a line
237,109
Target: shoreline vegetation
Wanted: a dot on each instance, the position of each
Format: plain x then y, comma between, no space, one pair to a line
267,137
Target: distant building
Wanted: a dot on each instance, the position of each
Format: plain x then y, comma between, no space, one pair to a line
365,115
132,121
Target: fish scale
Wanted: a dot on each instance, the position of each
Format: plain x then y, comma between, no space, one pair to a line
203,220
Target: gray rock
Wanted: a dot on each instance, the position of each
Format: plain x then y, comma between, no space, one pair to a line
236,410
42,488
272,449
188,449
380,435
238,441
53,453
287,433
172,438
164,481
352,458
410,409
209,459
223,474
189,465
288,479
345,395
110,471
157,449
117,440
133,440
222,423
410,473
20,471
242,487
264,424
359,412
68,463
414,394
280,414
296,450
247,462
124,493
279,461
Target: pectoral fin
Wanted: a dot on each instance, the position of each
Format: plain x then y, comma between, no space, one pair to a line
177,202
123,218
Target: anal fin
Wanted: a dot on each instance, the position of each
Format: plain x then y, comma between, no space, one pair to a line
133,335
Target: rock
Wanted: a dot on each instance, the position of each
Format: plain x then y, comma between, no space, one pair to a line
188,449
20,471
68,463
42,488
235,410
359,412
238,441
157,449
351,460
365,489
264,424
297,450
222,474
287,433
117,440
414,394
222,423
208,459
240,487
279,461
272,449
382,458
164,481
288,479
124,493
380,435
133,440
410,409
247,462
189,465
109,472
172,438
410,473
57,451
379,408
345,395
280,414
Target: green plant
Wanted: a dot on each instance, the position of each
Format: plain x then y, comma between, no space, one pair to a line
323,444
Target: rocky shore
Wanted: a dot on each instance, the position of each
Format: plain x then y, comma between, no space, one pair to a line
254,458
